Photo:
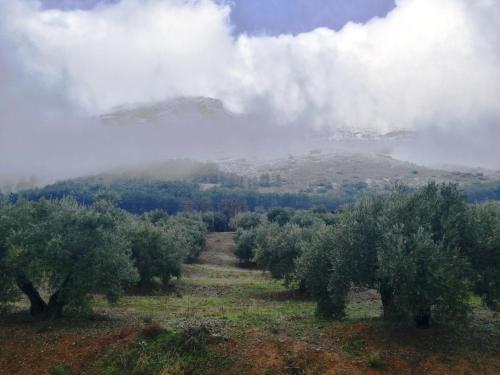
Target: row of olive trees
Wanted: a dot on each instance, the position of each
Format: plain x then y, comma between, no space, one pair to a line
425,251
59,253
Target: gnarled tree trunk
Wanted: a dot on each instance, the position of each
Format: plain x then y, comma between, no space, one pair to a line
37,304
387,297
55,306
423,318
38,307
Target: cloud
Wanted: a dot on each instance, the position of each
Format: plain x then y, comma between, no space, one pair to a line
432,66
125,53
426,62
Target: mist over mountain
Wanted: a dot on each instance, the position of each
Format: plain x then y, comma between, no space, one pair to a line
128,83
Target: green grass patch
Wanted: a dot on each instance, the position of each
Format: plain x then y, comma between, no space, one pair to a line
355,347
168,353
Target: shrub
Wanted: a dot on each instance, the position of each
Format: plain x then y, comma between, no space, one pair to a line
374,360
59,370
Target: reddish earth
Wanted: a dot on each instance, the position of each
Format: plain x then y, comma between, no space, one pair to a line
30,349
38,351
263,353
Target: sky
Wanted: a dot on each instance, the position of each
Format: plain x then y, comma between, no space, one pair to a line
274,17
431,67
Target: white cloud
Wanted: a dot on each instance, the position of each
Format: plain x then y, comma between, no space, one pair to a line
426,62
429,62
126,53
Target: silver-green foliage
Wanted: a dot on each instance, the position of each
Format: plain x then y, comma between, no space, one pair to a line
416,248
67,250
277,249
161,244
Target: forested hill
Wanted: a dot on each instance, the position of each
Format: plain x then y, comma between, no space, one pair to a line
142,195
138,195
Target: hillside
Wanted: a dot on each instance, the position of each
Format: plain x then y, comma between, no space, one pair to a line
336,172
228,185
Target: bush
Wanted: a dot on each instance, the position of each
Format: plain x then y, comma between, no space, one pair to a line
59,370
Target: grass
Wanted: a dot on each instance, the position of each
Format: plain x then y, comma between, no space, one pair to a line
165,354
374,360
245,305
243,298
59,370
242,301
354,347
218,289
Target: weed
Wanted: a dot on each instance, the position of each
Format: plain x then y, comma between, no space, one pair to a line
59,370
374,360
166,352
354,347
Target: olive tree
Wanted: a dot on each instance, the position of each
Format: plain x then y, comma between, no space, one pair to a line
215,221
156,252
414,247
280,215
340,255
316,267
245,245
278,248
162,243
190,231
485,256
246,220
66,250
423,254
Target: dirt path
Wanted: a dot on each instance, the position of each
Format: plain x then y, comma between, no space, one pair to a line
219,250
281,335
